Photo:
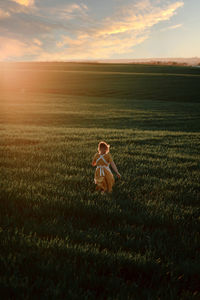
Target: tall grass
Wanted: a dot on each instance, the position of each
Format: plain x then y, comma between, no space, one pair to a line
62,240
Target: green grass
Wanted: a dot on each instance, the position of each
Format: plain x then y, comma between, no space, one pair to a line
59,239
114,81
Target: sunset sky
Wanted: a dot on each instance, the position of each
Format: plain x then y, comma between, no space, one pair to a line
52,30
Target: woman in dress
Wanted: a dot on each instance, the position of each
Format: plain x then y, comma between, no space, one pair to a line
104,178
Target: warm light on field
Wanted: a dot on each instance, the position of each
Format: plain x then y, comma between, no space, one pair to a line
21,78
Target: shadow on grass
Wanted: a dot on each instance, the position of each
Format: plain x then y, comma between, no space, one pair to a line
123,245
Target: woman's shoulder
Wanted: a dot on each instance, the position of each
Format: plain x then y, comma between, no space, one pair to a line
96,155
108,156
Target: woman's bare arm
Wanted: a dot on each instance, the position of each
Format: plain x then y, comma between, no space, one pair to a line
115,169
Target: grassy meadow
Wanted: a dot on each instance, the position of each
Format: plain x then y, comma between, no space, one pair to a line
59,239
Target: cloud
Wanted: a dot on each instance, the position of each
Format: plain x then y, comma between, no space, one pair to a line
4,14
176,26
24,2
118,34
75,7
37,42
60,12
87,48
14,7
140,19
66,31
172,27
73,10
12,48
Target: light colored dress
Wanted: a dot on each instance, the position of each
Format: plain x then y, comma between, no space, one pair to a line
103,177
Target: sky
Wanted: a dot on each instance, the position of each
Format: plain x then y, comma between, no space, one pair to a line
64,30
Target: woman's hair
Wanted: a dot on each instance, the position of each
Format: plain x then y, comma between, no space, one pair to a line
103,146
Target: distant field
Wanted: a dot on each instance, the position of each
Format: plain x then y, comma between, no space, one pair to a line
61,240
114,81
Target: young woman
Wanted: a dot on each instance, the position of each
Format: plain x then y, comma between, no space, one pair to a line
103,178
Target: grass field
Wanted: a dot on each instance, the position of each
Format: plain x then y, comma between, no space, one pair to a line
59,239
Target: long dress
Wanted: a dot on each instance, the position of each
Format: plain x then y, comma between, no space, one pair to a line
103,177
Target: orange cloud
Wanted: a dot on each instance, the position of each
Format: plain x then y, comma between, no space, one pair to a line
117,34
37,42
93,48
72,7
176,26
25,2
172,27
71,11
133,22
10,48
4,14
129,26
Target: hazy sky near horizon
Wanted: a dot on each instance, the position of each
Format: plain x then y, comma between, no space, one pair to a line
49,30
